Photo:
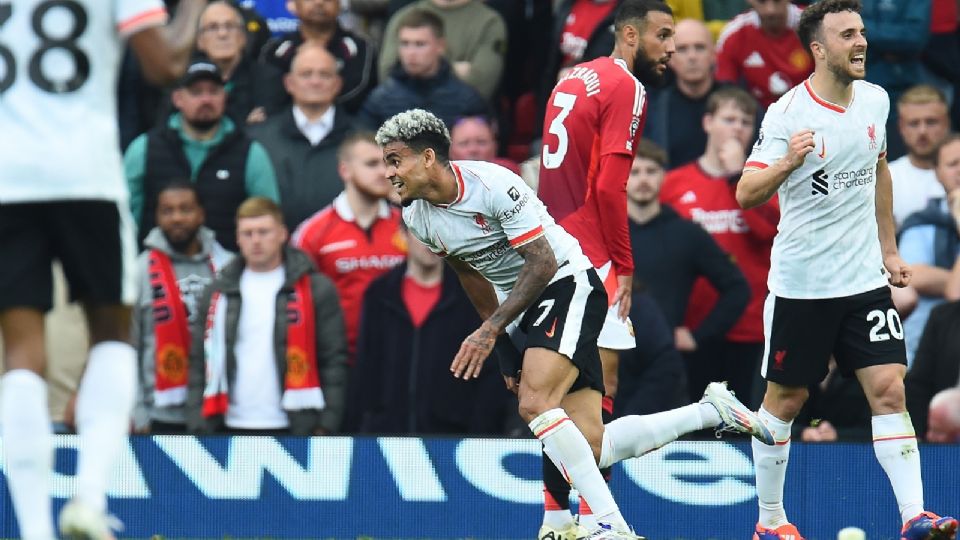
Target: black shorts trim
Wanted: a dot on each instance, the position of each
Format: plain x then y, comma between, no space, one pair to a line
567,318
859,331
86,236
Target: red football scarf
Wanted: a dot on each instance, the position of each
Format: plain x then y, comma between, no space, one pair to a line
171,333
302,381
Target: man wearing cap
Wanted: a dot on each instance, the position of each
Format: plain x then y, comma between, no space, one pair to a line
200,143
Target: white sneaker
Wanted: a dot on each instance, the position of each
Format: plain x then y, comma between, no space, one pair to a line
605,531
80,522
734,414
573,531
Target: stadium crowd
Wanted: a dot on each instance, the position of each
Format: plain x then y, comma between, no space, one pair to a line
263,152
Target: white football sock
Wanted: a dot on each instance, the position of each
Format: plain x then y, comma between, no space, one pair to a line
895,444
771,470
28,450
587,519
554,515
568,448
557,519
104,405
633,436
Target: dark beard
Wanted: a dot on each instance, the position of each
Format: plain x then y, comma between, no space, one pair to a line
645,69
202,125
840,74
180,246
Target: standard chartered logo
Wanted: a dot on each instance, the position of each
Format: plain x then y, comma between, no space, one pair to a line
820,181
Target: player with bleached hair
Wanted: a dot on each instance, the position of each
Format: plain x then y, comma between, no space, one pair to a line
822,148
497,236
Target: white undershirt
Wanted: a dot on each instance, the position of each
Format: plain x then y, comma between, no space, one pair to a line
912,188
314,130
255,397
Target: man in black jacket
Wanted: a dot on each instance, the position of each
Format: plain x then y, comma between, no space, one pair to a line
413,321
319,26
670,253
303,139
423,79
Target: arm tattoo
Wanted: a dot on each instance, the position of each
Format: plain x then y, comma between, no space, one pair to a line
539,267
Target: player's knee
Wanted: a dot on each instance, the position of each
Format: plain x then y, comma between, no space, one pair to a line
534,404
886,394
785,402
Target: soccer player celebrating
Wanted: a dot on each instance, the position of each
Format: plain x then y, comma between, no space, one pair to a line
593,124
495,233
63,196
822,148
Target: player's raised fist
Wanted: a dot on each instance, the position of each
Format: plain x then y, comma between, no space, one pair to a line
801,144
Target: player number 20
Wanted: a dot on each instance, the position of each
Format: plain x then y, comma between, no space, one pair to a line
65,41
884,322
551,159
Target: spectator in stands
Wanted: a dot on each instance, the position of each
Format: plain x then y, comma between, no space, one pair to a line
670,253
200,143
715,13
923,121
929,242
944,417
581,32
414,319
251,93
761,50
936,366
475,45
675,113
357,237
180,259
423,78
319,24
303,139
705,191
269,356
475,138
652,376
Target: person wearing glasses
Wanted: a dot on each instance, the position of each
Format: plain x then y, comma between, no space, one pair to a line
252,93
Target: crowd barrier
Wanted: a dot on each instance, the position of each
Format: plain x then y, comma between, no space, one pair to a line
341,487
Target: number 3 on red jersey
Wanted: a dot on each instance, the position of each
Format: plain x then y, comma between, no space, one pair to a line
552,160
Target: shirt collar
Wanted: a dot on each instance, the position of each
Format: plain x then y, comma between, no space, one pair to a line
342,207
314,130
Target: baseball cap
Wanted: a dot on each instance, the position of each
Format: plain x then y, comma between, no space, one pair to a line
201,69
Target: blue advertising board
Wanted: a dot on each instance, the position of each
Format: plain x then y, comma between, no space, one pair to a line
340,487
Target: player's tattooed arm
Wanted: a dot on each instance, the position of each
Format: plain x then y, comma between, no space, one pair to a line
539,266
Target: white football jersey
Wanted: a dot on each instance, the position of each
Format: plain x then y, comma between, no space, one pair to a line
494,213
59,61
826,244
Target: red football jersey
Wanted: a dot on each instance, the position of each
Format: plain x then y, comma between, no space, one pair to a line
350,256
597,109
770,65
747,235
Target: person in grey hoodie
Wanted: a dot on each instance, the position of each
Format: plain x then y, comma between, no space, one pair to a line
270,356
181,248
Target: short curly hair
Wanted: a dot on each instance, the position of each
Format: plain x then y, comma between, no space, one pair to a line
418,129
811,20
